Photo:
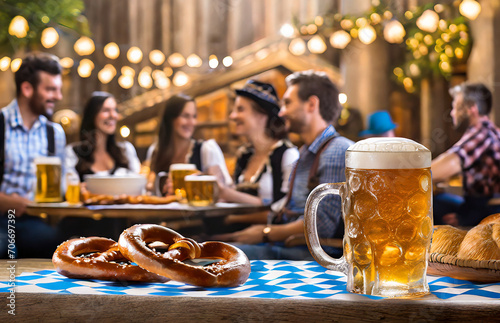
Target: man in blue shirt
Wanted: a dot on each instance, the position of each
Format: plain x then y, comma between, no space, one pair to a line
310,106
38,88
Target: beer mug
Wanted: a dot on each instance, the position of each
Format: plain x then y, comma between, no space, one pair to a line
201,190
387,212
48,179
72,188
177,173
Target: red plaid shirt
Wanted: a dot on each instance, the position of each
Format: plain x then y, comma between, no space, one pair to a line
479,152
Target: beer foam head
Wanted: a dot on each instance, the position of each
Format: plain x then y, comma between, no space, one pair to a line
200,178
182,167
387,153
46,160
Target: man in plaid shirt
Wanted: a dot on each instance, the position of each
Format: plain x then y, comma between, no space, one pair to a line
476,156
38,87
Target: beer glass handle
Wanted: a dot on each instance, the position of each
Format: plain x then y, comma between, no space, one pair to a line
158,178
311,231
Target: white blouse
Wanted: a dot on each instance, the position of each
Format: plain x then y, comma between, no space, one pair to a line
134,164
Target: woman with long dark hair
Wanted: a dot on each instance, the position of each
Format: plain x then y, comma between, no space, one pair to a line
98,152
175,142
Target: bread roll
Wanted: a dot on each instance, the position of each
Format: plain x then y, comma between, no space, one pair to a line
447,239
494,218
481,243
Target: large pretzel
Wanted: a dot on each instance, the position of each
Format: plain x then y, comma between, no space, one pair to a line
233,268
100,258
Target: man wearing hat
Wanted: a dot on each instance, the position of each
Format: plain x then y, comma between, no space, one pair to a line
310,106
379,125
264,164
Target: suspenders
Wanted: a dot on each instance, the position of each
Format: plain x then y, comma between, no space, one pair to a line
50,140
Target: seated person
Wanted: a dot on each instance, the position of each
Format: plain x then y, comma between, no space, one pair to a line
175,143
98,153
310,106
476,156
263,166
26,133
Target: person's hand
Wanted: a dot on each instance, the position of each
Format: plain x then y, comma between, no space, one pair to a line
251,235
15,202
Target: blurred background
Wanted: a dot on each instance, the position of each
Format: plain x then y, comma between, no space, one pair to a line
399,55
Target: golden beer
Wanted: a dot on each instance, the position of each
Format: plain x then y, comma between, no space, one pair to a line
388,226
48,179
72,188
177,173
387,212
201,190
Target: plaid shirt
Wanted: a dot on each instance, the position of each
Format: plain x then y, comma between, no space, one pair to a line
479,152
331,169
22,146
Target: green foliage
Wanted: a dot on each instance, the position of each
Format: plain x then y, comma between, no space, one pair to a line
66,16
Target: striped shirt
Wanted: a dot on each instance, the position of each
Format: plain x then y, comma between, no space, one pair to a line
331,169
479,153
22,146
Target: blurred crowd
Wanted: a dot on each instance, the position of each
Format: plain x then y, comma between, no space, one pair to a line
270,170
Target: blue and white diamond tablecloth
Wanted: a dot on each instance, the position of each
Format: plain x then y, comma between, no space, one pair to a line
269,279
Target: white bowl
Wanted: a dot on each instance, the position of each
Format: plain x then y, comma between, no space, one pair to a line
116,185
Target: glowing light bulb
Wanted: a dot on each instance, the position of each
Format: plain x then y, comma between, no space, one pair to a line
50,37
180,79
342,98
111,50
367,34
15,64
428,21
213,62
340,39
19,27
193,60
394,32
227,61
176,60
4,63
470,9
134,55
297,47
84,46
156,57
124,131
85,68
287,30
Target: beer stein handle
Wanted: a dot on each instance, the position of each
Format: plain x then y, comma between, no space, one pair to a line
311,231
158,178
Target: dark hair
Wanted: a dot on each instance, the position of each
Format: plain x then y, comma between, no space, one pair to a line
162,155
319,84
475,94
86,147
30,68
275,125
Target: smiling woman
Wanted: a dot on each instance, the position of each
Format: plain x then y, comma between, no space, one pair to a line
98,152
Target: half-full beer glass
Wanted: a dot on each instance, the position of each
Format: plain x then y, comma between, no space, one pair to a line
201,190
48,179
387,212
177,173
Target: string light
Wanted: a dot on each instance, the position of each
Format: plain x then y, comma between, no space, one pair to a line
85,68
227,61
194,60
67,62
126,81
287,30
111,50
15,64
316,45
213,62
134,55
106,74
394,32
180,79
124,131
470,9
84,46
156,57
50,37
297,46
4,63
428,21
19,27
144,78
367,34
340,39
176,60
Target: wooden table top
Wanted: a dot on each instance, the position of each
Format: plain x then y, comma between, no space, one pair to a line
59,307
141,211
